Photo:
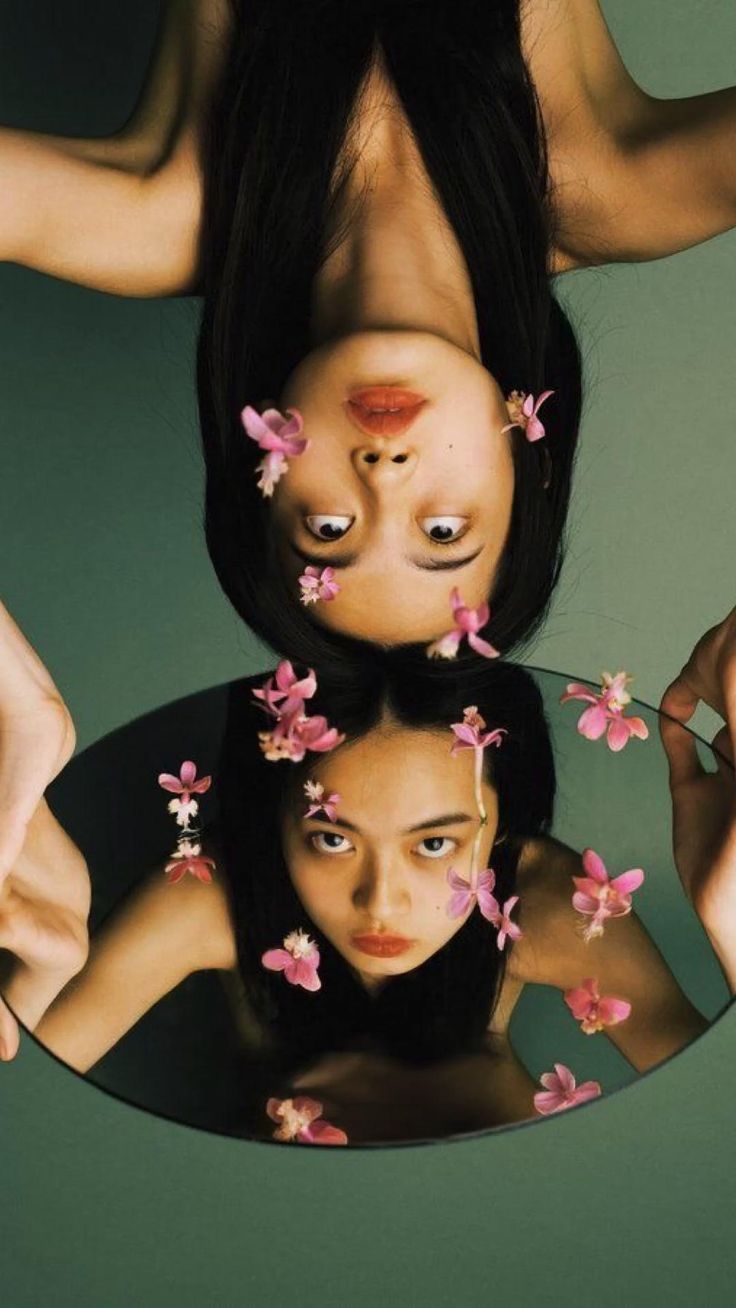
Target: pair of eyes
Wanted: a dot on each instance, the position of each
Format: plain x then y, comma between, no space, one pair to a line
443,528
333,842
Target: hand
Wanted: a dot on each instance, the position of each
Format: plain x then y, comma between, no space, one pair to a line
44,886
704,804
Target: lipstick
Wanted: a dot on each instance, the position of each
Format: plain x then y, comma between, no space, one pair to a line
384,410
382,946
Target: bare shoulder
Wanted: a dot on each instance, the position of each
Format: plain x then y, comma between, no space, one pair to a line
544,885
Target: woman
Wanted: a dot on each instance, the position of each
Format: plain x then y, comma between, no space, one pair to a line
377,867
399,228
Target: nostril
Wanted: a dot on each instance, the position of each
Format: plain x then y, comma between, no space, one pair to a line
400,458
370,458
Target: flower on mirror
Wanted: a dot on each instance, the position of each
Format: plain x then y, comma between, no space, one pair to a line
523,410
598,898
466,625
315,793
318,584
560,1091
183,810
471,732
298,960
592,1010
606,712
186,784
301,1120
189,858
281,439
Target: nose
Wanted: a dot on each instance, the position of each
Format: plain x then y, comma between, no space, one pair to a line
382,892
378,465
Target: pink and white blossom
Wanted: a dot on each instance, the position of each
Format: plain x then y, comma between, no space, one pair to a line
280,437
285,692
301,1120
189,858
598,898
315,793
606,712
187,783
298,960
464,895
560,1091
471,732
183,810
504,925
523,410
318,584
593,1011
467,623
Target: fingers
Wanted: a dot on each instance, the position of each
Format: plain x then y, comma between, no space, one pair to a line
9,1033
682,752
723,753
42,936
709,675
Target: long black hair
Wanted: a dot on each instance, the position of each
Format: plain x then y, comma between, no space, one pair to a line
443,1006
275,169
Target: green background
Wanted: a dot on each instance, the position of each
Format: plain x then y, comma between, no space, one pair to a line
104,567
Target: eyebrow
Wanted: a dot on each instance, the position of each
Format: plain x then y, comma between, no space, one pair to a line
349,560
445,820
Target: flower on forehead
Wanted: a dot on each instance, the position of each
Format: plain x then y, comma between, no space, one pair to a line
183,810
298,960
315,793
605,714
465,895
471,733
504,925
598,898
523,410
284,692
189,858
186,784
318,584
593,1011
279,436
301,1119
468,622
560,1091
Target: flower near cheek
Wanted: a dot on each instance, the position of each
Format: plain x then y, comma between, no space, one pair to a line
280,437
188,858
471,732
599,898
315,793
560,1091
301,1119
606,712
298,960
318,585
593,1012
467,623
523,410
464,895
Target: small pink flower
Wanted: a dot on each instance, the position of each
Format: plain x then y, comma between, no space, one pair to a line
285,693
523,412
471,733
561,1092
606,711
301,1119
189,858
593,1012
186,784
298,960
599,898
277,435
504,925
315,792
464,895
291,738
318,585
468,622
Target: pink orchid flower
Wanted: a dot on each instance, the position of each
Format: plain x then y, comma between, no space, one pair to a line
468,622
301,1119
277,435
189,858
471,733
504,925
284,693
318,585
523,410
186,784
599,898
292,737
561,1092
592,1011
606,711
465,895
298,960
315,793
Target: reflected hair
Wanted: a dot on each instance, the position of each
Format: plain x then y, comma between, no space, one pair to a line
276,167
443,1006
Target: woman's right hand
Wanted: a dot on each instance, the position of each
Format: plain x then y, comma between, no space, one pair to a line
44,885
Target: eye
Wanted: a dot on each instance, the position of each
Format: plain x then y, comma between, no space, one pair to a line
444,528
330,842
435,846
329,526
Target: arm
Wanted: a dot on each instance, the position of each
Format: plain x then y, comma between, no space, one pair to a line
625,959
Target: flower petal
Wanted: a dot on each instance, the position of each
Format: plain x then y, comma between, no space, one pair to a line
595,867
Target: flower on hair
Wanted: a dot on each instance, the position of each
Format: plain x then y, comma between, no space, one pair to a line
298,960
606,712
293,736
315,793
464,895
523,410
467,622
560,1091
189,858
504,925
471,732
598,898
186,784
301,1119
284,692
279,437
593,1011
317,584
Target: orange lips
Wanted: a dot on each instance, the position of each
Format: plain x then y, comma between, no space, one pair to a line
382,946
384,410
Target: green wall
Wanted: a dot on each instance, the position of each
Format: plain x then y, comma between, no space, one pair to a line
104,567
